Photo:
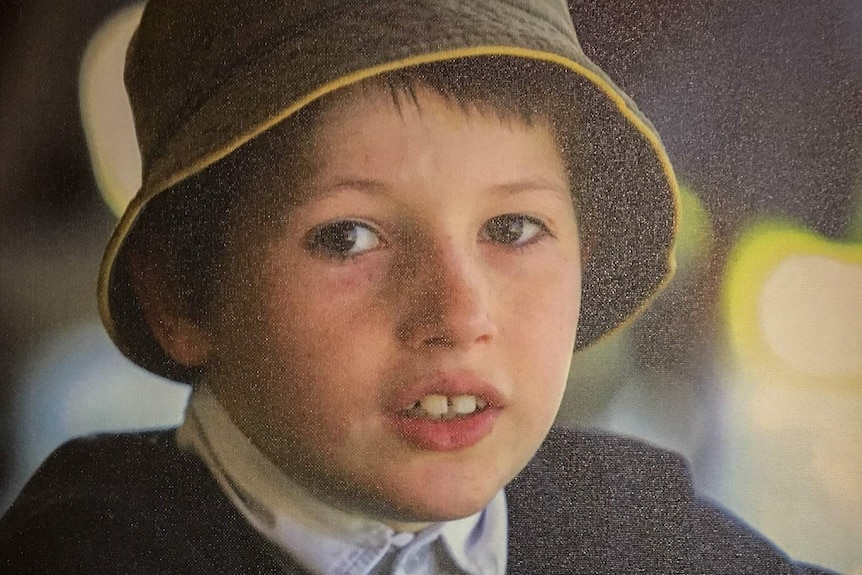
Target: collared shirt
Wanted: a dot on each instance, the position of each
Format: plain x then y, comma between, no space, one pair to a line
321,538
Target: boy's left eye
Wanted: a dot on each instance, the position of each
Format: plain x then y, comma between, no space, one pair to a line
513,229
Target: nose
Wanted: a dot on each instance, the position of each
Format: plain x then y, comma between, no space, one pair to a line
445,301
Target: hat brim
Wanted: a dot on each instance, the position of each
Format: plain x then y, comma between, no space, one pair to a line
632,189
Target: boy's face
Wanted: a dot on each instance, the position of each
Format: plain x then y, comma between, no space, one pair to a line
430,263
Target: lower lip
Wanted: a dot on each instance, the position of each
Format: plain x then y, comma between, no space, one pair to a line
446,434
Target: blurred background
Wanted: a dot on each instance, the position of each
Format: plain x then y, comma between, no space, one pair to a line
750,364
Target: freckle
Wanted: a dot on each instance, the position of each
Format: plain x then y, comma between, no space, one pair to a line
356,281
347,284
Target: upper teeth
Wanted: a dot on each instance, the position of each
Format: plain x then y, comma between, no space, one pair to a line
442,406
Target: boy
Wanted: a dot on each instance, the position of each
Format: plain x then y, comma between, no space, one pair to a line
369,236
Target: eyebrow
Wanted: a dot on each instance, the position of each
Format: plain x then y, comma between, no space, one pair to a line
533,184
371,187
375,187
328,190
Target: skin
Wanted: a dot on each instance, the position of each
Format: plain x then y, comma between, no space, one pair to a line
319,326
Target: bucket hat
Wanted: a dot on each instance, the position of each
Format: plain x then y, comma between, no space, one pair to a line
206,76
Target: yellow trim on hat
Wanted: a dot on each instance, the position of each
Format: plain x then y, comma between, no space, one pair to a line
151,189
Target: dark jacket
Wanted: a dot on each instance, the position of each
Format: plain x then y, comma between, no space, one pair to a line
587,503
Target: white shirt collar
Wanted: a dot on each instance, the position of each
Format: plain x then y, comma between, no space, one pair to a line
324,539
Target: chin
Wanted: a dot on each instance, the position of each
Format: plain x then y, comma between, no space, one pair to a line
442,508
440,495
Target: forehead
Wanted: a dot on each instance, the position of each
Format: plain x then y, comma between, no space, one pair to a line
291,153
424,139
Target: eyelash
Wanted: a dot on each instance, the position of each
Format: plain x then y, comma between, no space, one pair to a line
316,240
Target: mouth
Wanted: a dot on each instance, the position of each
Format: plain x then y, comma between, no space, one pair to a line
442,407
447,412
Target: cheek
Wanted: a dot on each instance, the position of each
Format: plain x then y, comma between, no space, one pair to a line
540,302
321,326
538,332
328,311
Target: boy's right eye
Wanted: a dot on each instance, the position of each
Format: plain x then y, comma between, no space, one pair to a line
342,239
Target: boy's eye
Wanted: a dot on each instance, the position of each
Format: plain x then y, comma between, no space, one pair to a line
343,238
513,229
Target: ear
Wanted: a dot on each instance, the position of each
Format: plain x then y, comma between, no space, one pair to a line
166,314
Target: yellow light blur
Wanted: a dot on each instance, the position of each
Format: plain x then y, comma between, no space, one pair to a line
695,234
105,110
792,302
